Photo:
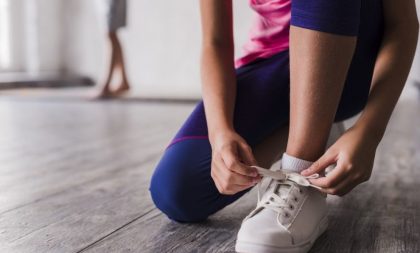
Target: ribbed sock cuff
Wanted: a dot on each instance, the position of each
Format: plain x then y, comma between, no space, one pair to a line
291,163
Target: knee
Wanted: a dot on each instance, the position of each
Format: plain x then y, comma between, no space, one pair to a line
174,196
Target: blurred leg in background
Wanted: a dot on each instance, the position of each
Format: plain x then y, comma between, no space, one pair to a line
116,15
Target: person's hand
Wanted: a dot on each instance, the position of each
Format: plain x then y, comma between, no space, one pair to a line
354,154
231,161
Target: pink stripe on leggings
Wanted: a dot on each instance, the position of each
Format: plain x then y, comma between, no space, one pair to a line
187,138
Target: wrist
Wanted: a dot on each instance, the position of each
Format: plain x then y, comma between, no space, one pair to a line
369,132
217,133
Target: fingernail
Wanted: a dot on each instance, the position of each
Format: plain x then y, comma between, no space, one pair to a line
254,174
304,172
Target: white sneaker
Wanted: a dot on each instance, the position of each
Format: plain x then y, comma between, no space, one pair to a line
289,217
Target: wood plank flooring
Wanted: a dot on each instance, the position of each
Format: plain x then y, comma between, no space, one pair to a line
74,177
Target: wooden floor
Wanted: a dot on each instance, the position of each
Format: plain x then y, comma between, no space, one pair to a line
74,178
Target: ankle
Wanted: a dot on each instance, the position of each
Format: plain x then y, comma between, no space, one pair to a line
294,164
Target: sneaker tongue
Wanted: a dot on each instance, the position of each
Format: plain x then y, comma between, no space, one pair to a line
282,189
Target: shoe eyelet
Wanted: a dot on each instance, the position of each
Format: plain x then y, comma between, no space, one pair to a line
295,199
291,207
286,215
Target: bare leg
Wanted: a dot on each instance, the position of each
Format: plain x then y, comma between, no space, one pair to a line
315,101
119,56
104,90
318,65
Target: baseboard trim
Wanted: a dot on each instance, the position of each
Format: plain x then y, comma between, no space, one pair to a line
22,80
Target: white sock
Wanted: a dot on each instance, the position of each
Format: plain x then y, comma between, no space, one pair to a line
291,163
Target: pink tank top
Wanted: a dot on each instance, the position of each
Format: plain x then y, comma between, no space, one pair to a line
270,33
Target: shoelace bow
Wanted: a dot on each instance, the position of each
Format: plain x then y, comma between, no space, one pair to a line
282,177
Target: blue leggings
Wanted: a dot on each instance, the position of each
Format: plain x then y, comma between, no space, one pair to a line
182,187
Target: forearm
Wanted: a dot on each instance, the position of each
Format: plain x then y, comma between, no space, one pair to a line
217,65
319,65
219,87
391,71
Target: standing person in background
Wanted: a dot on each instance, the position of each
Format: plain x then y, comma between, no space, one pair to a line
116,17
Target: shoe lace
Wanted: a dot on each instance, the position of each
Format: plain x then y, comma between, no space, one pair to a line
274,199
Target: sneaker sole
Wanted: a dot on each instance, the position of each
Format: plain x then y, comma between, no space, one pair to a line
247,247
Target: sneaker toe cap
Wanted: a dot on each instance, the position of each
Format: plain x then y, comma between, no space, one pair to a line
260,230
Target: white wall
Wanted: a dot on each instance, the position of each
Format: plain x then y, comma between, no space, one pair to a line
35,36
49,28
161,42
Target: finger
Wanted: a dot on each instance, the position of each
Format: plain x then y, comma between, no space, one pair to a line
243,180
342,188
347,187
245,153
232,178
232,163
225,188
229,177
216,178
244,170
321,164
216,181
333,178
